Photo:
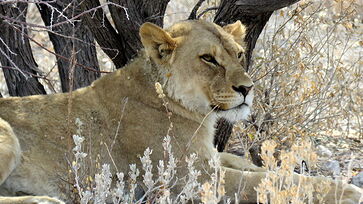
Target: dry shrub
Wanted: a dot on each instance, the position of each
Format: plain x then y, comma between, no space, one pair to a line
278,186
308,72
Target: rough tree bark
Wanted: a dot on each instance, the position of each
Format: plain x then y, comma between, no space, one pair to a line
71,39
17,62
111,42
127,25
138,12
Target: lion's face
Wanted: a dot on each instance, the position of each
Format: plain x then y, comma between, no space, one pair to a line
202,65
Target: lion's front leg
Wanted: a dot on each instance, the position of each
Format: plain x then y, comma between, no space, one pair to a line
236,162
243,184
340,192
30,200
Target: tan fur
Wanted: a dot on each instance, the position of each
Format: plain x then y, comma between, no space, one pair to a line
124,107
9,150
30,200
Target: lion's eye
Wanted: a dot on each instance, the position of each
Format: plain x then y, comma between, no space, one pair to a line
209,58
239,55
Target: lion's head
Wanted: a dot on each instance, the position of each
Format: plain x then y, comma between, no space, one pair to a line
202,66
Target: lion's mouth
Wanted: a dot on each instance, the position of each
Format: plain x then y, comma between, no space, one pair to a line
217,108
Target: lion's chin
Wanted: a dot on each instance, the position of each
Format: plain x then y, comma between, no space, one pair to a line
235,114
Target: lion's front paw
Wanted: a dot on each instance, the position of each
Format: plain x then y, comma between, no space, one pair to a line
352,194
46,200
238,163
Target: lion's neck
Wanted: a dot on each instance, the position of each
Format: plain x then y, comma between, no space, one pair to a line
162,75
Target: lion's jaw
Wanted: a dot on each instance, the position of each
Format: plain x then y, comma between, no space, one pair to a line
239,112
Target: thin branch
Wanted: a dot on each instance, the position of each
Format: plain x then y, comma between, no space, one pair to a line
206,10
26,1
24,72
193,14
7,47
93,9
44,77
75,39
58,55
70,20
105,34
13,63
262,6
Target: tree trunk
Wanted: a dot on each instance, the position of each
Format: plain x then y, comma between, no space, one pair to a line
19,66
138,12
68,40
127,25
262,6
111,42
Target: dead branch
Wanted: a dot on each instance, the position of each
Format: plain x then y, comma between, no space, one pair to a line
262,6
58,55
193,13
104,33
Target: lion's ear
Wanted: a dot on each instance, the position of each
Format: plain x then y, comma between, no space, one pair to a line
158,43
238,30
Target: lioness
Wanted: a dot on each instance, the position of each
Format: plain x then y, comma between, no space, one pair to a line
200,66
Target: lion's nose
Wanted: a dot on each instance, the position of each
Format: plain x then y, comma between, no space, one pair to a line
242,89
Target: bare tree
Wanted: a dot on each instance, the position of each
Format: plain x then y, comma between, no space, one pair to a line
70,39
128,16
20,69
73,24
